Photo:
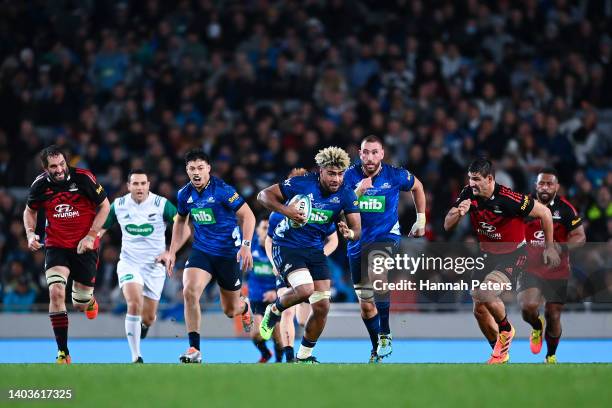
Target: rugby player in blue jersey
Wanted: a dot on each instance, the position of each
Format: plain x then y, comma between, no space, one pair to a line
298,251
378,186
262,291
218,214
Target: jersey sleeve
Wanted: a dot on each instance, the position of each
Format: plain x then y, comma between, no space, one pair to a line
111,219
231,198
169,211
289,187
350,178
36,195
403,178
273,221
570,217
349,202
91,188
181,202
516,204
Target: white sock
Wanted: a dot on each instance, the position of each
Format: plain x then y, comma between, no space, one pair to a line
304,352
132,332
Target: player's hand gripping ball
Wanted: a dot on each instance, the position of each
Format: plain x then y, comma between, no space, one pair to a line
303,205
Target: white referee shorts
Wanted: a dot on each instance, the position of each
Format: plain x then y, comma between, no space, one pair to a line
150,275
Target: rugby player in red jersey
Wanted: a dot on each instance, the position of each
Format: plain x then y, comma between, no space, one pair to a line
75,207
539,281
497,214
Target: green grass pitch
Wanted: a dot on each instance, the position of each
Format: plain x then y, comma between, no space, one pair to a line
325,385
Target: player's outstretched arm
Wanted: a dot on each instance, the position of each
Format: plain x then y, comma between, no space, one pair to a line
29,223
418,195
246,222
331,243
576,238
272,198
455,214
550,254
88,241
351,230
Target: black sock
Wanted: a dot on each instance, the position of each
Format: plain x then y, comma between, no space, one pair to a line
261,346
536,323
373,326
492,343
551,344
59,322
278,352
383,316
246,308
279,306
289,354
504,325
194,340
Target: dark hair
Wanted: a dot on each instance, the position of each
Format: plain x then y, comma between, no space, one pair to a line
196,154
373,139
549,170
482,166
51,151
137,171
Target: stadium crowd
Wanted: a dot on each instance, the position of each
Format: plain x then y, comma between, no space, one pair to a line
263,85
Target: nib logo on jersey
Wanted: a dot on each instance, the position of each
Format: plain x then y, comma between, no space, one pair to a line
65,211
203,216
374,204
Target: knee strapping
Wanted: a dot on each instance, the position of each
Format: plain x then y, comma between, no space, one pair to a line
81,296
318,295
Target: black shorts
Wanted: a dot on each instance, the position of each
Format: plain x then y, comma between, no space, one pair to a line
258,307
225,270
512,265
83,267
287,260
358,264
553,290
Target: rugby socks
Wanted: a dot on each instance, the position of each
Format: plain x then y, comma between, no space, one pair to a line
383,316
132,332
306,347
277,311
492,343
279,307
536,323
504,325
373,326
289,354
194,340
246,307
261,346
551,344
278,352
59,322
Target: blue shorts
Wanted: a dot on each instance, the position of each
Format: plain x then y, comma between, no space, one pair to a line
287,260
358,263
225,270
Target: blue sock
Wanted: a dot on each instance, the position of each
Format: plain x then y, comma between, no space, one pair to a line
383,315
308,343
279,306
373,326
194,340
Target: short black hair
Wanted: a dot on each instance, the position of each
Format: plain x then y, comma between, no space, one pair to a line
137,171
51,151
549,170
196,154
373,139
482,166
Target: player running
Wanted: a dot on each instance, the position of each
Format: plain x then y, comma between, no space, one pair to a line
70,198
142,216
378,187
300,312
262,292
497,215
298,252
539,280
218,215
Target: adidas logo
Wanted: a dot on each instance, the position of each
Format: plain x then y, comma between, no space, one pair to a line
237,282
190,200
287,267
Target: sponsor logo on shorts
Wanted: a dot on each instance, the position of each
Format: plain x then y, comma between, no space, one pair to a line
65,211
127,277
203,216
375,204
145,229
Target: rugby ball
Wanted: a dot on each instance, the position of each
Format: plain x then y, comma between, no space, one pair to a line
301,202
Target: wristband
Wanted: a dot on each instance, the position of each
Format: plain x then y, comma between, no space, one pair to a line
351,234
246,243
